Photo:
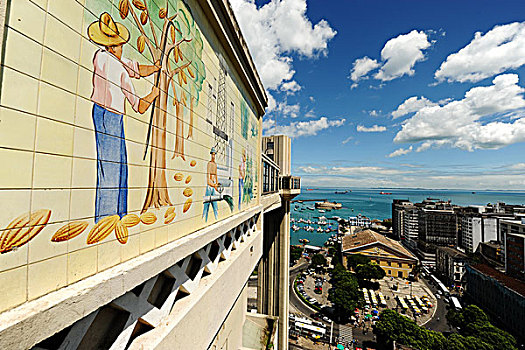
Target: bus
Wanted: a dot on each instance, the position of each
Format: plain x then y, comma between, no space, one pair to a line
311,329
455,303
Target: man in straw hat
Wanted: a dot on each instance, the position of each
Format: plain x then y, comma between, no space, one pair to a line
242,175
112,86
212,185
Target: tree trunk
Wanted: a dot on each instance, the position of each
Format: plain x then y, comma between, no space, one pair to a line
179,137
157,194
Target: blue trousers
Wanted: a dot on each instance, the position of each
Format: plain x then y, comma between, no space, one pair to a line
112,164
241,191
210,191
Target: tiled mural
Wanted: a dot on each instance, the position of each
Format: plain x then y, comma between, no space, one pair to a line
122,128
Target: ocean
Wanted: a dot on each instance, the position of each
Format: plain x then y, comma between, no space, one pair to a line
370,203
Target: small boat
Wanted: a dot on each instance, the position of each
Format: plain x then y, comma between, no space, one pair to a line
295,228
321,211
310,208
320,229
385,192
341,192
304,241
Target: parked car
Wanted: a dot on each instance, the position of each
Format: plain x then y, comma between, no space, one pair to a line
326,319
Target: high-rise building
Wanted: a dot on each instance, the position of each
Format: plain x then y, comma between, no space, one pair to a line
411,227
437,227
398,208
513,232
133,206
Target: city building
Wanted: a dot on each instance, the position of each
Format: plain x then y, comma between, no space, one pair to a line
492,253
134,206
513,232
411,227
395,259
359,221
501,296
398,208
450,264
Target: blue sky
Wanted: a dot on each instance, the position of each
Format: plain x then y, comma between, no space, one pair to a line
444,107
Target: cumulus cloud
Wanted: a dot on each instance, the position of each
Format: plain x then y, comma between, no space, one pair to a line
398,57
349,170
400,54
301,128
286,110
361,67
500,49
374,113
471,123
291,87
277,29
400,152
373,128
411,105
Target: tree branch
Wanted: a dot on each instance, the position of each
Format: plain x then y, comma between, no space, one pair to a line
173,45
178,69
152,49
152,26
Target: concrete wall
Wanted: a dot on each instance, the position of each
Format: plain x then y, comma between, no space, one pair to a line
53,159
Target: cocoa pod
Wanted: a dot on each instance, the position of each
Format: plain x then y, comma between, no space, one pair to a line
144,17
102,229
139,5
148,218
121,232
188,192
130,220
22,229
141,43
187,205
162,13
123,7
69,231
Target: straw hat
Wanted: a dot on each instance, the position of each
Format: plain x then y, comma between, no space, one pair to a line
108,33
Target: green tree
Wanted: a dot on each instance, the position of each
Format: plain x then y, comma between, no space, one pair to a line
318,260
295,253
344,294
474,323
369,271
332,251
395,327
356,259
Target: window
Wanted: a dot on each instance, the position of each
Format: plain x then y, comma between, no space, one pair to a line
400,264
390,272
389,263
400,274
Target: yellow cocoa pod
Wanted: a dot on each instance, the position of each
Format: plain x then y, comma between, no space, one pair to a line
188,179
148,218
121,232
144,17
22,229
170,218
170,211
130,220
190,72
187,205
178,176
141,43
102,229
193,163
162,13
188,192
69,231
123,7
138,4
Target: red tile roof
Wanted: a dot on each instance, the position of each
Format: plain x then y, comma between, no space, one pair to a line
509,282
366,237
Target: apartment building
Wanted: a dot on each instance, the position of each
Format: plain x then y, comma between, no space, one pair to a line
513,232
451,264
134,207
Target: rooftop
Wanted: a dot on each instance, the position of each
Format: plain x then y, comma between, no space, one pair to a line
453,252
509,282
366,237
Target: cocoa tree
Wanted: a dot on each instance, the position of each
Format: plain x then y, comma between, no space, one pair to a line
173,41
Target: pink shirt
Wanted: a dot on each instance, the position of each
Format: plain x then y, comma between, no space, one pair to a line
112,82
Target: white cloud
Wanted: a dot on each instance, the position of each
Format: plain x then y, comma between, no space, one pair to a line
400,152
400,54
348,139
277,29
291,87
361,67
349,170
374,113
286,110
470,123
398,57
297,129
500,49
374,128
411,105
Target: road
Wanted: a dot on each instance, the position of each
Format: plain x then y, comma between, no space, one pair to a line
439,321
295,302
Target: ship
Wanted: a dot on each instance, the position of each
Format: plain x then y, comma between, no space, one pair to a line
341,192
385,192
328,205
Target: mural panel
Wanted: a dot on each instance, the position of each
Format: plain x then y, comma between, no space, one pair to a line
133,132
